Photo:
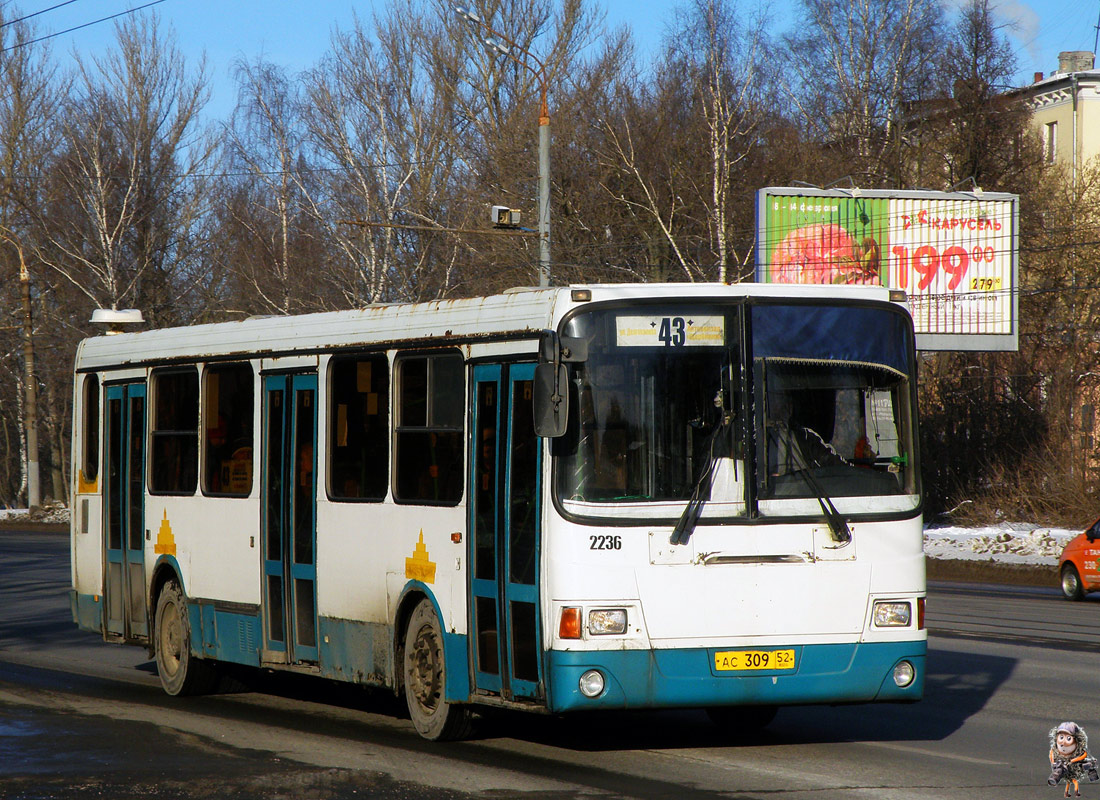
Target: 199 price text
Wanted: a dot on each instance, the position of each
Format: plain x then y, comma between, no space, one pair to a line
926,261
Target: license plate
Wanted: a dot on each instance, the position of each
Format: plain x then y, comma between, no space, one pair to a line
753,659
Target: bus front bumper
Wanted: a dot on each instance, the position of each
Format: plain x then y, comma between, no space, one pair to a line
685,678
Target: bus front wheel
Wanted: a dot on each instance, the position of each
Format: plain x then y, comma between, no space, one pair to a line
180,672
425,679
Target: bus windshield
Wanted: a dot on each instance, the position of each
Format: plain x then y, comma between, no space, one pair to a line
649,402
666,395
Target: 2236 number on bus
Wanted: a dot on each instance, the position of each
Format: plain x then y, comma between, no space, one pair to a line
729,660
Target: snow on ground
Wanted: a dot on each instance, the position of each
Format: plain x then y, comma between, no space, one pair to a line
50,512
1007,542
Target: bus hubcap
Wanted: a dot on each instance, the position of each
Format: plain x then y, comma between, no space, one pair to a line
170,638
426,671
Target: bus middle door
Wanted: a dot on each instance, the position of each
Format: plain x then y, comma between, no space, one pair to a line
504,519
290,514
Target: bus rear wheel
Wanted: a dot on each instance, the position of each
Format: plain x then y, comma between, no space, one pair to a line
425,678
180,672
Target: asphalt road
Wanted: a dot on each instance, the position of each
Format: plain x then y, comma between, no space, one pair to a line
80,718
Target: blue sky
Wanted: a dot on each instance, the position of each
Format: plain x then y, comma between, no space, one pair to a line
295,34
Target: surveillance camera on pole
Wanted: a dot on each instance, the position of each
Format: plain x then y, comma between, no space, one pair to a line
505,217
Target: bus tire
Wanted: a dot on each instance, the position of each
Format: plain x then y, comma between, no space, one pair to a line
1072,587
425,678
741,720
181,673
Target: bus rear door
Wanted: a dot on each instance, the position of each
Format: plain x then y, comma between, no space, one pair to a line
126,617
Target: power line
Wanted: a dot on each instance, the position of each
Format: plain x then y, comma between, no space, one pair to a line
80,27
36,13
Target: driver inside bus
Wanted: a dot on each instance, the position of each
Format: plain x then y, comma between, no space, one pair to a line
799,429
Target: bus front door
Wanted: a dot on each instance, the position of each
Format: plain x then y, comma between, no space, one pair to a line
290,513
125,612
505,521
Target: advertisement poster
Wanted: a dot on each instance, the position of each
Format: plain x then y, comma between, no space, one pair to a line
953,254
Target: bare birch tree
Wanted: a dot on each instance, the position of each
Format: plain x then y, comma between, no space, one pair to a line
678,145
129,190
986,126
722,59
849,67
266,207
28,106
383,125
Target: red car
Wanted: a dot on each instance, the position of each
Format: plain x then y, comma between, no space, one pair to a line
1077,565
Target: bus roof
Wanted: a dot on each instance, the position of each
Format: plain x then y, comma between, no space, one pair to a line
517,312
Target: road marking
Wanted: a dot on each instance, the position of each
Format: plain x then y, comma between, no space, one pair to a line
920,750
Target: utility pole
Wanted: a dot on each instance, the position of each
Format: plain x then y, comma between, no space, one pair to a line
501,44
30,396
34,497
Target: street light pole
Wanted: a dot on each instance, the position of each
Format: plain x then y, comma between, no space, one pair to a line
544,189
34,495
30,413
509,49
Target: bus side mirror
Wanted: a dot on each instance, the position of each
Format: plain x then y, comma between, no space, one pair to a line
551,395
551,399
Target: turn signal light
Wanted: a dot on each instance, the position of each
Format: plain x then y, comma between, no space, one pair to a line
570,626
920,613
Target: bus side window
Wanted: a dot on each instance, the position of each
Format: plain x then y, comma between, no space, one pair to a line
89,434
228,410
359,428
431,407
175,432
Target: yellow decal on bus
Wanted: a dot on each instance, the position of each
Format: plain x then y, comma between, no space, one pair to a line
84,486
166,541
420,567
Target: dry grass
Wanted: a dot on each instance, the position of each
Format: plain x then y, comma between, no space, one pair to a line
1049,489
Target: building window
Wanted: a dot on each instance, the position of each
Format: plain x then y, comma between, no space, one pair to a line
431,406
89,435
228,412
1050,142
359,428
175,432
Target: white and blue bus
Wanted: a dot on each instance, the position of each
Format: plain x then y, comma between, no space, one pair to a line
564,499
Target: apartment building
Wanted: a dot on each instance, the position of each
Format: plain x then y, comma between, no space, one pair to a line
1065,110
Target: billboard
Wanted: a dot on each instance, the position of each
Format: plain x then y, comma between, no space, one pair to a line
954,254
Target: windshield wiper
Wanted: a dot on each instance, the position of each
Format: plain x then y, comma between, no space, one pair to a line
685,526
838,527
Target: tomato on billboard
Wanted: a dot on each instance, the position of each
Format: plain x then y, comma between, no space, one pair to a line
826,240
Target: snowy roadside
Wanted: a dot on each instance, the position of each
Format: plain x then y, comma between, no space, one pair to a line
1005,543
53,514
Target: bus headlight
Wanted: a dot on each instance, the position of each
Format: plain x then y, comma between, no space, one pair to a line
592,683
605,621
892,614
